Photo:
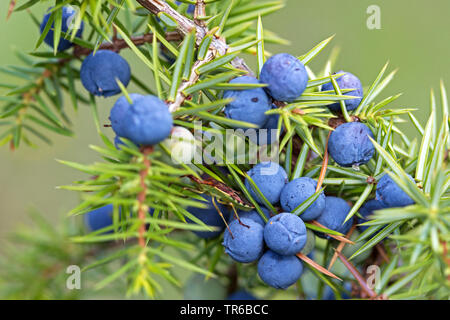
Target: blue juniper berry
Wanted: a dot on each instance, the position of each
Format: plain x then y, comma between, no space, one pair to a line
285,234
210,217
68,16
279,271
349,144
146,122
333,216
390,194
100,70
270,179
248,105
299,190
347,81
244,241
286,77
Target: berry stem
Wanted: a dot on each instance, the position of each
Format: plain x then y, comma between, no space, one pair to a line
146,150
221,215
380,249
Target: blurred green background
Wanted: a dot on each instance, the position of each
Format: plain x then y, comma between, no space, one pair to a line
414,37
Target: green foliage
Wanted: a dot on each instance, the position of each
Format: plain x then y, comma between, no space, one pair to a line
416,237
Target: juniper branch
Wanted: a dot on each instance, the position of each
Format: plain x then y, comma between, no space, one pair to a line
193,78
186,25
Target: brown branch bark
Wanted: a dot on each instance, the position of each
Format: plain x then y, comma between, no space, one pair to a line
200,11
193,78
185,25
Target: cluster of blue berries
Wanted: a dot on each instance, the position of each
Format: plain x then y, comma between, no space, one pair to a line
273,244
276,243
145,120
286,78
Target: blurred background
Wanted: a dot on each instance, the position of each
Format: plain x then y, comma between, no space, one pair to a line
414,37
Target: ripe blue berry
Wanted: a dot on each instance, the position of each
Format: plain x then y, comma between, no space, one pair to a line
350,145
210,217
279,271
333,216
118,111
99,218
147,121
390,194
367,209
248,105
270,179
296,192
68,15
245,243
286,77
347,81
285,234
99,72
253,215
